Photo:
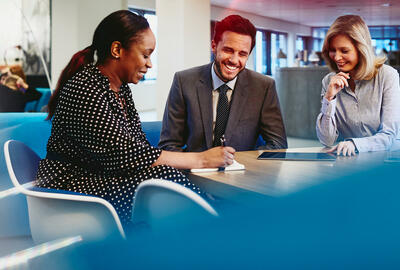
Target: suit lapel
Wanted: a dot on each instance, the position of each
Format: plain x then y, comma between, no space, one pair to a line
238,102
204,93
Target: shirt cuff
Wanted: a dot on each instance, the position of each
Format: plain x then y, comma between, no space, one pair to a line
328,107
358,142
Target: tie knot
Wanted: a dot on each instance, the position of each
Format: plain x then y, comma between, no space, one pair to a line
223,88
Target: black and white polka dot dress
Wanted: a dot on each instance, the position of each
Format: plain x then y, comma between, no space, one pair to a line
99,144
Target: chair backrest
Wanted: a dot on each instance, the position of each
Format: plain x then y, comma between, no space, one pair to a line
55,214
33,130
152,130
162,204
23,162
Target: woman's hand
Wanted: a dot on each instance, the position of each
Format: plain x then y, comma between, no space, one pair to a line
21,83
212,158
336,84
346,148
218,157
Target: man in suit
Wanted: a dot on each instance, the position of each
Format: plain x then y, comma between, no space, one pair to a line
223,98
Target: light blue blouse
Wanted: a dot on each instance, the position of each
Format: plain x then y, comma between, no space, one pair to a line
370,115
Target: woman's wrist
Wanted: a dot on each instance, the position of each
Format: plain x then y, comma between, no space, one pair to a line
201,160
330,97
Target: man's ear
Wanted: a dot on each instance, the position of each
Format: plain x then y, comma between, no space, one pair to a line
116,48
213,46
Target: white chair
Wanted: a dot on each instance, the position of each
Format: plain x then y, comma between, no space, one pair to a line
161,204
54,214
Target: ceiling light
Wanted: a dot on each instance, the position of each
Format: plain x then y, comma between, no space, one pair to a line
386,5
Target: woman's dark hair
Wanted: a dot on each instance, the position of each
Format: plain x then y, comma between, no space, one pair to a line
123,26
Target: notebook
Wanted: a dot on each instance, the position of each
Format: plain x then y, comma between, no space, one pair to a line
235,166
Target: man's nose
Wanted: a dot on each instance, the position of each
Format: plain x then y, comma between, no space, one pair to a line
234,58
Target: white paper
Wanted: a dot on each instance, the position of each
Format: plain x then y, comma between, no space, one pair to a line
235,166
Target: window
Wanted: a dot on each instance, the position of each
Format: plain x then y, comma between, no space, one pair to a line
383,37
259,52
300,43
278,51
270,51
151,17
318,36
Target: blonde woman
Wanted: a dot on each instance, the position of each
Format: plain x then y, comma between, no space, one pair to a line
361,97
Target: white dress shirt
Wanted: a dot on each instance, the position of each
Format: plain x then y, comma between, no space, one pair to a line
217,82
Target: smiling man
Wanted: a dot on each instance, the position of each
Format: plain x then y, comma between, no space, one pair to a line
223,100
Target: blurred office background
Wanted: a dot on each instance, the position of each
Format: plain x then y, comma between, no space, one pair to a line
42,35
288,43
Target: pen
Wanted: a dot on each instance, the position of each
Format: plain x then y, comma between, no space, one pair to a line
223,140
223,144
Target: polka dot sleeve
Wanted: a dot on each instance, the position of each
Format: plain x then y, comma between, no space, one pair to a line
95,122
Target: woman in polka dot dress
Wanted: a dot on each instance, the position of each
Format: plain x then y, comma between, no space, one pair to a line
97,145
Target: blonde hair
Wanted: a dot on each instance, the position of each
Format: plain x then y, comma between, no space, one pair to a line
355,28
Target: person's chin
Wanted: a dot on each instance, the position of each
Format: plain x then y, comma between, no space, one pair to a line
135,81
230,75
344,68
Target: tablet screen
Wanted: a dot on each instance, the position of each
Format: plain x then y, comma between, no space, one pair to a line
393,157
298,156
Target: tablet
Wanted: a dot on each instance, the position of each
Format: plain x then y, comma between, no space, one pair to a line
298,156
393,157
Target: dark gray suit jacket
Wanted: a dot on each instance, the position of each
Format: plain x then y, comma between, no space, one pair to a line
254,110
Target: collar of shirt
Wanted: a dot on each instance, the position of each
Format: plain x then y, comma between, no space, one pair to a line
217,82
105,82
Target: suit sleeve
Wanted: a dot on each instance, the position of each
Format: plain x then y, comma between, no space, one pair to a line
173,136
272,128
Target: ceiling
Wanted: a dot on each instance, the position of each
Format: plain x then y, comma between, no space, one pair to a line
319,12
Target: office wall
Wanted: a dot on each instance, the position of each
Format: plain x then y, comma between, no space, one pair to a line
73,25
11,35
74,21
184,41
